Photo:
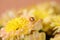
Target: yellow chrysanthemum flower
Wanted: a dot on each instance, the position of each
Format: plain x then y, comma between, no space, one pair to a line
18,23
41,11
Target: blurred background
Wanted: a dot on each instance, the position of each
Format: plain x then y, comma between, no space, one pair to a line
17,4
